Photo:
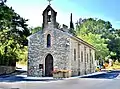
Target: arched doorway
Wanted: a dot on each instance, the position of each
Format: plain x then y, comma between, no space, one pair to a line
48,65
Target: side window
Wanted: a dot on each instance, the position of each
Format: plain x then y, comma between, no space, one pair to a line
92,59
81,56
74,54
87,58
48,40
78,50
85,54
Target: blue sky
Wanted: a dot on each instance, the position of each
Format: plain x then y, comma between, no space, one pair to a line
108,10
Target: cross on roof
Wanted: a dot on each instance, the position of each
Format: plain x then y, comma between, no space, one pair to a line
49,1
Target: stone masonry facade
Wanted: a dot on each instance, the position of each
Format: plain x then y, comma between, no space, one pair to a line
68,51
38,50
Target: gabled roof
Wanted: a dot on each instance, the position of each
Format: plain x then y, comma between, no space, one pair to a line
80,40
84,42
49,7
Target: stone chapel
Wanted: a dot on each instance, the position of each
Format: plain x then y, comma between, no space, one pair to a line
53,47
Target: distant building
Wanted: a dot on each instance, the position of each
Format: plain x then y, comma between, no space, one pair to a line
52,47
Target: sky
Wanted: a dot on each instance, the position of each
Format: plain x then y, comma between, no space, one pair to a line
108,10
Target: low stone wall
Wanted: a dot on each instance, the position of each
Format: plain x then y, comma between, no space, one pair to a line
6,69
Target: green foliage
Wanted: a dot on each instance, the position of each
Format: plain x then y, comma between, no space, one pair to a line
117,62
113,40
36,29
91,30
95,26
100,33
13,34
114,46
101,48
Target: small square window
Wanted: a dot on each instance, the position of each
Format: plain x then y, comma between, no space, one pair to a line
40,66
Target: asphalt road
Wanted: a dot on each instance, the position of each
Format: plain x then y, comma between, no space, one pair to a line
77,83
109,80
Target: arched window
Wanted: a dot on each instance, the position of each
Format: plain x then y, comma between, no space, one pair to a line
49,12
49,16
48,40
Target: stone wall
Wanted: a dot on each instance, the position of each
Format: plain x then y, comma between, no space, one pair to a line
83,64
62,51
37,46
6,69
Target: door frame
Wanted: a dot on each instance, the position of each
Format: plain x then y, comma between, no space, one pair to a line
48,59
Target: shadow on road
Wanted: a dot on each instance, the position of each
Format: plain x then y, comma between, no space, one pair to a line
19,78
20,75
108,75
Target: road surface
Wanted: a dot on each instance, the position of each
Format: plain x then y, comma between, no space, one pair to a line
109,80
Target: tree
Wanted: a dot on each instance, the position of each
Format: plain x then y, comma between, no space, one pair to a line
36,29
91,30
95,26
94,39
113,40
114,46
13,34
2,2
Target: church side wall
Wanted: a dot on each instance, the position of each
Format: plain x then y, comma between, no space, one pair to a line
74,60
88,60
93,60
82,61
84,58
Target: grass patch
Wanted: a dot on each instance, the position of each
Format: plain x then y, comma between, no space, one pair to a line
116,66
